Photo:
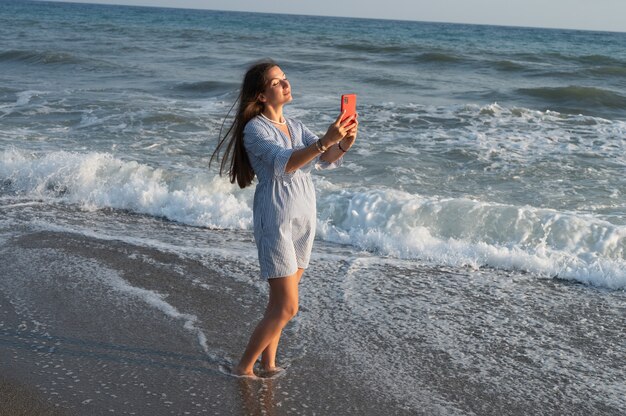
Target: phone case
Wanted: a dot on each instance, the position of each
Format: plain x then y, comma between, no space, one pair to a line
348,103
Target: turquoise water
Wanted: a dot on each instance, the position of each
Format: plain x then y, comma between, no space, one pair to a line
479,145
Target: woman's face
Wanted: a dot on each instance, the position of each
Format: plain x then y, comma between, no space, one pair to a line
277,90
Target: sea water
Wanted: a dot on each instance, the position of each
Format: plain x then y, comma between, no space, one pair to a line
484,151
478,145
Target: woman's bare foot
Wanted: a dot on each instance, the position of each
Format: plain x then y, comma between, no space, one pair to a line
242,372
269,372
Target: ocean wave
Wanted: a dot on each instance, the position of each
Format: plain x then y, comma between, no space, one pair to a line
372,48
206,87
7,90
453,231
509,66
464,232
547,58
55,58
99,180
529,57
437,57
599,60
615,71
557,158
151,119
390,82
592,59
39,57
577,95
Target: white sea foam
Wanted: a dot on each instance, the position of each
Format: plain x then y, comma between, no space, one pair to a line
511,134
99,180
157,301
464,232
24,97
449,231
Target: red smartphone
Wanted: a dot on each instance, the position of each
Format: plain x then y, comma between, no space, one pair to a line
348,103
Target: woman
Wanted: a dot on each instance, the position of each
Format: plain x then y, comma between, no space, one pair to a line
281,153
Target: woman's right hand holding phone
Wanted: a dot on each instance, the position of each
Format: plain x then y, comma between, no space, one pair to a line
338,130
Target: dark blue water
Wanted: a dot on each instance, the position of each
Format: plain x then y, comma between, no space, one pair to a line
560,70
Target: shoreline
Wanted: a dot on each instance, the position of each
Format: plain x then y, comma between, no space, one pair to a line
100,325
106,326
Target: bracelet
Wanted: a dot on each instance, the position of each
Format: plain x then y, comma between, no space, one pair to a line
341,148
320,146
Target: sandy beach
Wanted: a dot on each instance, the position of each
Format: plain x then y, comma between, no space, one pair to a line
91,326
20,400
94,356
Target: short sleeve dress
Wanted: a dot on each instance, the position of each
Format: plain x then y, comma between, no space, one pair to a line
284,211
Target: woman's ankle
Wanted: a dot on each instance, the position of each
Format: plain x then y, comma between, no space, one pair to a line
242,371
267,364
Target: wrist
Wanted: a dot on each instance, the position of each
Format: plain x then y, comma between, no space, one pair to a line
320,147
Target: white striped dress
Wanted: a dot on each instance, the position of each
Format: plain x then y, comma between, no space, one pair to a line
284,203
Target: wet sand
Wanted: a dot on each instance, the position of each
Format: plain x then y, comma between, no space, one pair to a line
94,326
80,340
17,399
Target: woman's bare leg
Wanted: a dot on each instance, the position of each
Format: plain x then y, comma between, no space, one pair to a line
268,357
284,296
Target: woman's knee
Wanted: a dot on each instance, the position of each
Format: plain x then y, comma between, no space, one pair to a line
287,310
284,297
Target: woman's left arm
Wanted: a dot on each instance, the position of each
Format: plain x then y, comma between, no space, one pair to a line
335,152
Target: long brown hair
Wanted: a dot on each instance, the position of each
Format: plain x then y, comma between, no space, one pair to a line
254,83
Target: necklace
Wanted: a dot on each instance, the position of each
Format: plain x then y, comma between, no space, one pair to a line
282,123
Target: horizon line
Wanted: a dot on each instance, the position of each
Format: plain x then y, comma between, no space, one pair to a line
331,16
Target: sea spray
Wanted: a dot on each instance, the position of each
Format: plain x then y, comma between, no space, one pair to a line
448,231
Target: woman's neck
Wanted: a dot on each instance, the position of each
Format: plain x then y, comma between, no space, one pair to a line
274,113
